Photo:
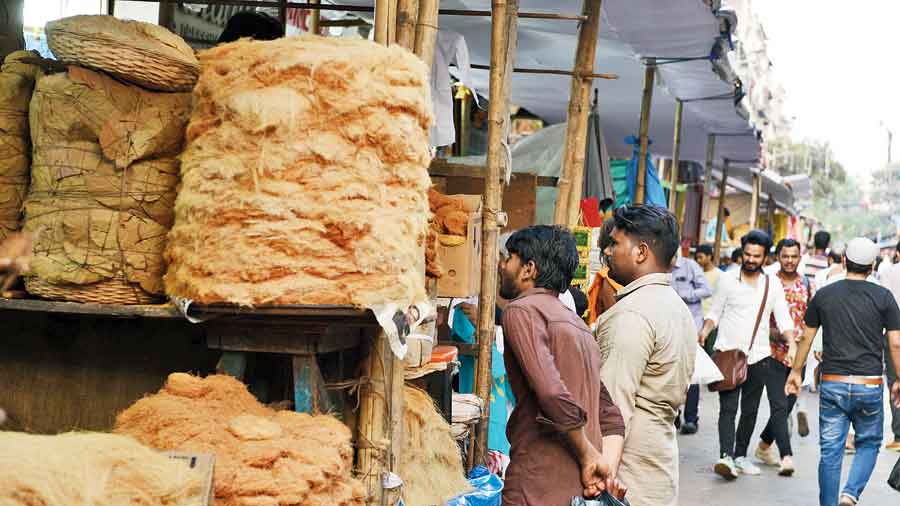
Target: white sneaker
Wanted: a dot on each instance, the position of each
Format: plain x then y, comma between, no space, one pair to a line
726,469
786,468
744,465
767,456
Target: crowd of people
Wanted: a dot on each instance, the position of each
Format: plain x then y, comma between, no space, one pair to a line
599,395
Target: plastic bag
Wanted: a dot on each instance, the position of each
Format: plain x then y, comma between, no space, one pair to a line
488,490
894,479
605,499
705,370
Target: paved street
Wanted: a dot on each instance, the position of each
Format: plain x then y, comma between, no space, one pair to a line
699,486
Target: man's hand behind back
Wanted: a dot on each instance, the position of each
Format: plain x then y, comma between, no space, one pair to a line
895,393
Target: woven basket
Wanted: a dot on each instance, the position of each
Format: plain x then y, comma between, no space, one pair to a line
105,292
144,54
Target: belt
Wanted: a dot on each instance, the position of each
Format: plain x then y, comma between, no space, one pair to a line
856,380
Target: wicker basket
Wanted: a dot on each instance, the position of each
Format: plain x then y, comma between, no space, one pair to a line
105,292
144,54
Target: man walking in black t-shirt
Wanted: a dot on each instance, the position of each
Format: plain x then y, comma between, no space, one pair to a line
853,314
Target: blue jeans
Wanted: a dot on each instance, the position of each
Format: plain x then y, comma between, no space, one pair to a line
841,404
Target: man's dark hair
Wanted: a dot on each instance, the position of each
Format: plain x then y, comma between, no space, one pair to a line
835,257
898,246
581,301
757,237
253,24
822,239
706,249
653,225
786,243
856,268
605,238
553,251
727,212
736,255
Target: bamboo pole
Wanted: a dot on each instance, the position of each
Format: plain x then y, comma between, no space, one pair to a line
315,19
407,15
426,31
374,431
676,157
754,200
646,101
720,220
392,22
282,12
707,177
504,39
110,7
571,179
382,15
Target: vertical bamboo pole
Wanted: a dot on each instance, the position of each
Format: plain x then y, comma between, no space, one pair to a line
754,200
504,39
676,157
426,31
407,14
382,17
720,221
282,13
315,19
392,21
646,101
110,7
166,14
571,181
707,177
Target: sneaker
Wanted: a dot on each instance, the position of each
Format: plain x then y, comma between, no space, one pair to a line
846,500
767,455
726,469
802,423
787,467
893,446
689,428
744,465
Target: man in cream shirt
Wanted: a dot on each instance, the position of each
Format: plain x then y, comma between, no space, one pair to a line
647,342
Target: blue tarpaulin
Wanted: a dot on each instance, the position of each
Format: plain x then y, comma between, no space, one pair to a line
653,189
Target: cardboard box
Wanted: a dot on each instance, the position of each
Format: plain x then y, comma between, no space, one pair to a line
203,464
462,263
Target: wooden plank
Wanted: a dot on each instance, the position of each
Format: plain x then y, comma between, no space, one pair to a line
283,339
442,168
169,310
77,308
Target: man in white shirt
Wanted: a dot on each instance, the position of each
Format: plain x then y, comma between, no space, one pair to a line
890,279
735,310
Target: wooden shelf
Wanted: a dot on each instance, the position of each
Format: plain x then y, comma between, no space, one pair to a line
168,311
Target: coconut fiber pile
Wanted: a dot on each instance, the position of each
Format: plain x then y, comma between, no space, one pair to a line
88,469
104,170
305,177
263,457
431,465
16,84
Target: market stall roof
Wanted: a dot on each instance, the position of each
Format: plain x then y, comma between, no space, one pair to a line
740,177
630,30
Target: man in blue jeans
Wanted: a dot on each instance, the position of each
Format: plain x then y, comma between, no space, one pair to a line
853,314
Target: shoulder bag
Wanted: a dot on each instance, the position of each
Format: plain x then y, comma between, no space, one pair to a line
733,363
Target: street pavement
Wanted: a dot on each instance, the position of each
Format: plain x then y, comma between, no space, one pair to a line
700,486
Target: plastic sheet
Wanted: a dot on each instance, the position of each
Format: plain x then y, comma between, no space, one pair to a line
488,490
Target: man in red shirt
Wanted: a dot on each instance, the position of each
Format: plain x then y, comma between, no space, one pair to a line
797,293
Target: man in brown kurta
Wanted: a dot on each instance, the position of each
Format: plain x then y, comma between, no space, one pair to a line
563,413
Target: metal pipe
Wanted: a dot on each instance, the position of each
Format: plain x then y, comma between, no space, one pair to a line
754,200
646,101
583,75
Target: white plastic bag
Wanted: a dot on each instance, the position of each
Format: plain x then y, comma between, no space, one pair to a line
705,370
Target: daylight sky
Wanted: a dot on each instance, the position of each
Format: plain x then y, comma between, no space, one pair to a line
839,63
